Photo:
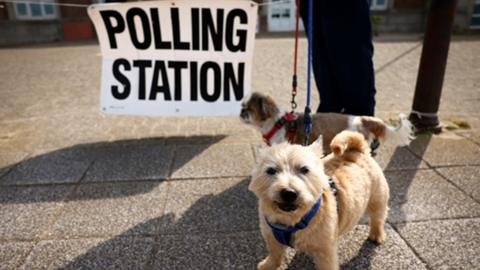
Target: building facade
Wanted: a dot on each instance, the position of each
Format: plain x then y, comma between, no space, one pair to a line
38,21
389,15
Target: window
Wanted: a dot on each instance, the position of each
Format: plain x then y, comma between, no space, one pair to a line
36,11
280,13
475,22
378,4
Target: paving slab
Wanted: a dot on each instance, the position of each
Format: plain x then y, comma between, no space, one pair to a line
460,124
217,160
358,253
355,252
447,149
466,178
18,134
59,73
116,253
424,195
131,163
105,209
8,160
238,250
60,166
198,206
390,158
194,140
26,212
445,244
243,250
12,254
245,136
473,136
64,130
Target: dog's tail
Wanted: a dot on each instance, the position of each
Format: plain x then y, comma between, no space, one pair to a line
400,135
347,142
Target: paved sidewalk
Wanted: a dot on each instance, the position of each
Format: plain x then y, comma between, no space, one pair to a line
83,190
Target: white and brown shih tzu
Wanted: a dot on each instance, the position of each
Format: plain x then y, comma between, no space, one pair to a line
277,125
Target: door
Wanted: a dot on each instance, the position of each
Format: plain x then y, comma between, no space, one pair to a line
281,16
475,22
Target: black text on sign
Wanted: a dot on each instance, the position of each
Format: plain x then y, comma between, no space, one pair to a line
216,31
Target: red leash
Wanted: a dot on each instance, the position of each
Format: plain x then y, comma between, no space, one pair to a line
295,56
289,118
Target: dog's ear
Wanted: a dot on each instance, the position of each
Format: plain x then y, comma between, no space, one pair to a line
267,107
260,152
317,146
251,186
247,98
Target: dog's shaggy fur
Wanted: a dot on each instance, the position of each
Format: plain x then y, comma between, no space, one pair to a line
262,112
361,187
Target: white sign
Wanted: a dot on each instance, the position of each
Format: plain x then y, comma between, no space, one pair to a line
185,58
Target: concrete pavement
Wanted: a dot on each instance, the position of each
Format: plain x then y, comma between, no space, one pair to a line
83,190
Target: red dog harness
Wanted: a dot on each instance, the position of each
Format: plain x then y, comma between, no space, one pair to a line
291,120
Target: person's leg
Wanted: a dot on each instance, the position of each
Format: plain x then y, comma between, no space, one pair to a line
348,39
330,98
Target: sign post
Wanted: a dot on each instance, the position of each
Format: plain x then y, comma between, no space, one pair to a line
433,62
175,58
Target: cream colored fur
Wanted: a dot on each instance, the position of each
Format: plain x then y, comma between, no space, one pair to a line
362,187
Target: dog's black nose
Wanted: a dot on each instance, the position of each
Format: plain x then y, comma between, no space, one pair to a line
244,114
288,195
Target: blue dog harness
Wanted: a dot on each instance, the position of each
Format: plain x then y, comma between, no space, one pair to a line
285,235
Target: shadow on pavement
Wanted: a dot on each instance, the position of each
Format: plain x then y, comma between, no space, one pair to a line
149,159
399,190
363,258
218,231
398,197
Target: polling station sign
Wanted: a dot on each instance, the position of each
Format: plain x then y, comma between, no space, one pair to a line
183,58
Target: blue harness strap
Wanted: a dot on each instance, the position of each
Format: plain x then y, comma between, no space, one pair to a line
285,234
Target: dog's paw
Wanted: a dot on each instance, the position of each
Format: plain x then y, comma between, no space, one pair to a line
266,264
377,238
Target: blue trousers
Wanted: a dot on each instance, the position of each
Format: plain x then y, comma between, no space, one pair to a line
342,55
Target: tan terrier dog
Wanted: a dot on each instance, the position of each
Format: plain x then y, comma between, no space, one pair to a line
307,202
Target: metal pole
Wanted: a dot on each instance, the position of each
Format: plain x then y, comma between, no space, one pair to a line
432,66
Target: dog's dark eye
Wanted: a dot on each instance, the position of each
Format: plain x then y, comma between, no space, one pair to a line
271,171
304,170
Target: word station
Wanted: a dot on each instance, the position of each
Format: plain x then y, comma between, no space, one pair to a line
217,31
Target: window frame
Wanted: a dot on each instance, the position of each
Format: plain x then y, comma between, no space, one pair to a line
29,17
375,6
